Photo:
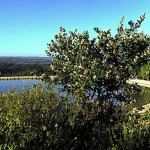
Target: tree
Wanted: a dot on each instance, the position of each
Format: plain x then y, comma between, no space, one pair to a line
98,68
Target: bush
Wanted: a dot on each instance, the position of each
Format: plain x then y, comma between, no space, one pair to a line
98,68
37,119
26,118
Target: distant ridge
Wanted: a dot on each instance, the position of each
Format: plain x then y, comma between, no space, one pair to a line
24,59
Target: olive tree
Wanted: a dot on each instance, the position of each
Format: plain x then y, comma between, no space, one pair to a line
98,68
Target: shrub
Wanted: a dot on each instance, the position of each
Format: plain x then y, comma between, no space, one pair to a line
98,68
37,119
27,118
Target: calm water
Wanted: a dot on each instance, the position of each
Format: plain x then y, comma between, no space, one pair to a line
6,85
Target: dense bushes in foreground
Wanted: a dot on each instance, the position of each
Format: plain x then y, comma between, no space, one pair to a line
37,119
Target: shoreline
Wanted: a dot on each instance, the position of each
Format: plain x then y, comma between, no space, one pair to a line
139,82
20,78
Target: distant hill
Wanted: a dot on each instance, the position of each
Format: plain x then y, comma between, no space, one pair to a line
24,66
26,60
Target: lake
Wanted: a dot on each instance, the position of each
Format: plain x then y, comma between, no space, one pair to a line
6,85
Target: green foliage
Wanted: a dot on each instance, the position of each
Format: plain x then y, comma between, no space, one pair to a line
27,118
144,72
37,119
143,98
100,65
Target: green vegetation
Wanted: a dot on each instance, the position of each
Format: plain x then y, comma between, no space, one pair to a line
37,119
142,98
144,72
95,113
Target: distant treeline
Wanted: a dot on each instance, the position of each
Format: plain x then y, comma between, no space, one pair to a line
23,66
26,60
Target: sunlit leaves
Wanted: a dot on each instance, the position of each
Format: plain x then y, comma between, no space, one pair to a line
104,62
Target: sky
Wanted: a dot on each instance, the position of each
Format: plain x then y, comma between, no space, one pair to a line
26,26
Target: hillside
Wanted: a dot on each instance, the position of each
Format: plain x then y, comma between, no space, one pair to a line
25,60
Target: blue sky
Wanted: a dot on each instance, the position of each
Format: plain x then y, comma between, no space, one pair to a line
26,26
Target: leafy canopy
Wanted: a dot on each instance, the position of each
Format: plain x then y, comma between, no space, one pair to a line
98,68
